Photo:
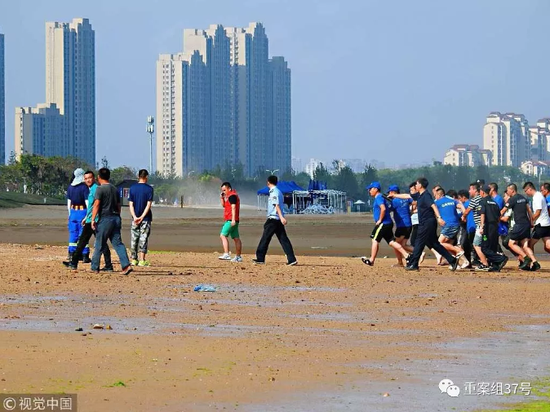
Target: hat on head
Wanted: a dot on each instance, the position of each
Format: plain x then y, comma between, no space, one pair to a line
485,188
374,185
393,188
78,177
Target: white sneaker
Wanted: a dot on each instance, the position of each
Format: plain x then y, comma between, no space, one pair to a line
225,256
465,262
237,259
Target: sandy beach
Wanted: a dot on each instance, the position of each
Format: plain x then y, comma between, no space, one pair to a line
329,334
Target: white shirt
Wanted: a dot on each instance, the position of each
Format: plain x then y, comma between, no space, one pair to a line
539,203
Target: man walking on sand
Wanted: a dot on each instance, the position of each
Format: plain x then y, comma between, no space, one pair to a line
231,204
87,231
108,225
140,203
275,225
383,228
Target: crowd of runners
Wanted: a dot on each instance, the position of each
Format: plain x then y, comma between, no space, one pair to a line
476,225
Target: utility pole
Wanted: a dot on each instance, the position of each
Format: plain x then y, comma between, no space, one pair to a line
151,130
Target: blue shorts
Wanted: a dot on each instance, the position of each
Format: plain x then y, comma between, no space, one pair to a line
450,232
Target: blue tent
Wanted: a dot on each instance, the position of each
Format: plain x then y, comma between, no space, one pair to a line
283,186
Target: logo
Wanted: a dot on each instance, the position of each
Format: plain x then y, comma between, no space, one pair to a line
447,386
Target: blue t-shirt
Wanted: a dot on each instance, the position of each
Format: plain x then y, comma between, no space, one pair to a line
379,201
140,194
470,222
275,198
447,210
548,201
401,212
78,194
499,201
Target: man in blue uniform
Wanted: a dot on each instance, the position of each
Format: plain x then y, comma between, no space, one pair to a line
383,228
77,195
275,225
428,217
401,209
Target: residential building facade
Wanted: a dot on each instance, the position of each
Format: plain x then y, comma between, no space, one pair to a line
468,155
70,92
227,104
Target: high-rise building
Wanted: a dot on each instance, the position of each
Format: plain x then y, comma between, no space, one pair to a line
507,136
2,104
235,103
37,130
70,93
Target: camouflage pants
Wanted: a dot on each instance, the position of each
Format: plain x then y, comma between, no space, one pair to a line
140,238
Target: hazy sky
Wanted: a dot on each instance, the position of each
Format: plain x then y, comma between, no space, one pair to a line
396,81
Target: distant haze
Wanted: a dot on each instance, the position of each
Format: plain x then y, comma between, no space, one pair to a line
396,81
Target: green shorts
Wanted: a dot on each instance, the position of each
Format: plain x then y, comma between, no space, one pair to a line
228,230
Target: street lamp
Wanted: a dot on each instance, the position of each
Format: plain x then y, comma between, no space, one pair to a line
151,130
272,172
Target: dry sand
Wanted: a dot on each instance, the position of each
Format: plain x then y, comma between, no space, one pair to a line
267,334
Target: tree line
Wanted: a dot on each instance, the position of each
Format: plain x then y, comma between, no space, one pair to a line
51,176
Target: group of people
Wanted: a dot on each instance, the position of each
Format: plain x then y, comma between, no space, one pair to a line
472,224
476,224
274,225
94,207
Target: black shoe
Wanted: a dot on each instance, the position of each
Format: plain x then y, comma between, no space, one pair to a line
408,259
494,269
526,265
86,258
127,270
70,265
503,263
292,263
535,266
367,261
482,268
415,268
107,269
454,265
258,262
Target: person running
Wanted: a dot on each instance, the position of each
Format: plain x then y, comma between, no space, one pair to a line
414,214
521,232
469,226
502,226
383,228
106,221
275,225
474,208
428,216
447,207
77,194
140,203
401,209
231,204
490,218
87,231
540,219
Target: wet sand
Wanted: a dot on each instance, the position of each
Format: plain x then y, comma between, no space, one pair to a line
330,334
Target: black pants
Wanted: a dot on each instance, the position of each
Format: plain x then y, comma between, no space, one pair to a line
489,244
412,239
274,227
427,236
83,240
